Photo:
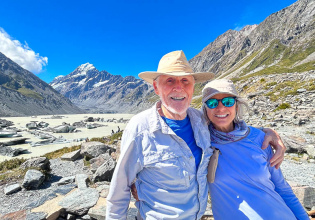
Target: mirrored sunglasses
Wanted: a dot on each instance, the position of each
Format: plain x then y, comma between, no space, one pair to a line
227,102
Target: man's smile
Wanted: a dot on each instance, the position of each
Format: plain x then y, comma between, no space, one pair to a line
178,98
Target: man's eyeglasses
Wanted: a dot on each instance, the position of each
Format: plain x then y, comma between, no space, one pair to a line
227,102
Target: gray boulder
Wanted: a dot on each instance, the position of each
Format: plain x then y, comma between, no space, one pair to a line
31,125
39,162
98,161
4,123
7,133
80,201
105,171
43,124
33,179
93,149
306,195
81,181
294,144
15,141
64,129
12,188
310,149
66,180
103,190
72,156
11,152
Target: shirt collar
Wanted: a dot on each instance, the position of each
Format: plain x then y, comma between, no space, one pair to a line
157,123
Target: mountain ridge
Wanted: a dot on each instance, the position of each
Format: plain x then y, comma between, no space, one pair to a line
22,93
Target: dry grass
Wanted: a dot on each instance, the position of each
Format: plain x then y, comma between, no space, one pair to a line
60,152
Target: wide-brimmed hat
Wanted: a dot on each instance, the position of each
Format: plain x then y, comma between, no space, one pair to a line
175,64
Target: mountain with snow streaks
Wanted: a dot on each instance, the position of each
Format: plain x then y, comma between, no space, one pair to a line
101,92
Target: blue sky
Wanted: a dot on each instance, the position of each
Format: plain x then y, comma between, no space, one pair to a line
52,38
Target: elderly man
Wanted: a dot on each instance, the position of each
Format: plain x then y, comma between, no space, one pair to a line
167,150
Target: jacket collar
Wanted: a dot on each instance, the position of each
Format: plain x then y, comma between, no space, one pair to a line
157,123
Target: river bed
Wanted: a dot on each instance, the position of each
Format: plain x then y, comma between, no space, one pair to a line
20,122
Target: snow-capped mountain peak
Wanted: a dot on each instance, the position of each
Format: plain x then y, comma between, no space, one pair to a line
85,67
100,91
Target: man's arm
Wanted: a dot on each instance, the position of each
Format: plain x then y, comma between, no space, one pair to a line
273,138
128,166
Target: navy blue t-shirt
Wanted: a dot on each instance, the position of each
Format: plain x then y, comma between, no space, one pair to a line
183,129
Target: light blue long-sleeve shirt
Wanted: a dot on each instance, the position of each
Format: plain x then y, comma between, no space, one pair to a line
247,187
168,184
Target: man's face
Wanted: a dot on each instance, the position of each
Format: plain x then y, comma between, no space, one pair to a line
175,93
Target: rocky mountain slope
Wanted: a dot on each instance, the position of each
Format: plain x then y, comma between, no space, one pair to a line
22,93
101,92
283,42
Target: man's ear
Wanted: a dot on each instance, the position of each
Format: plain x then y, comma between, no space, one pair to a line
156,90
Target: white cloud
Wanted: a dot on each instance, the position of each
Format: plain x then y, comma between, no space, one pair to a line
21,54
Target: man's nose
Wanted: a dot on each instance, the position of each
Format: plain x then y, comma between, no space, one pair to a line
178,86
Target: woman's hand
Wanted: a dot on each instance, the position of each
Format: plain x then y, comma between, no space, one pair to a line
273,138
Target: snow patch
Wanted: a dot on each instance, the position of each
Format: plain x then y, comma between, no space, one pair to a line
58,85
99,84
81,82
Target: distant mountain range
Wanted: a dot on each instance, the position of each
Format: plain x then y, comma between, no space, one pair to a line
101,92
283,42
22,93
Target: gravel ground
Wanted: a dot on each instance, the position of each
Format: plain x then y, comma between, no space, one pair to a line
299,173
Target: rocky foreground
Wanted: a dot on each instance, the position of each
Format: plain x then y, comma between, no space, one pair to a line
75,186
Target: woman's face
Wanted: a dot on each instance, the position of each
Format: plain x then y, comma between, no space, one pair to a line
222,117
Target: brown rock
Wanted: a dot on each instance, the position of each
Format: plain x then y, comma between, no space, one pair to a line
19,215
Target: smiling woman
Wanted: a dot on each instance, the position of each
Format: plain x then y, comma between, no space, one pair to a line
222,116
252,188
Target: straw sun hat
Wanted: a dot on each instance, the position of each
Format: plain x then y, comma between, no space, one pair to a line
175,64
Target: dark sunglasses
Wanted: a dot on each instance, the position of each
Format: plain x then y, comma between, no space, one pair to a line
227,102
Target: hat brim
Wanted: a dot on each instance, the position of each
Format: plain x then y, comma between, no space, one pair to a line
204,99
199,77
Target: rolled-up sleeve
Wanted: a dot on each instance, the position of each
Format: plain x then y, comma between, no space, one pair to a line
125,172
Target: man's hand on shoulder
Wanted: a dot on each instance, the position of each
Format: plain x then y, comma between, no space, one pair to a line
273,138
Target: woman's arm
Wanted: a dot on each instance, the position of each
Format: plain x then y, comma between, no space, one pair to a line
285,191
273,139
